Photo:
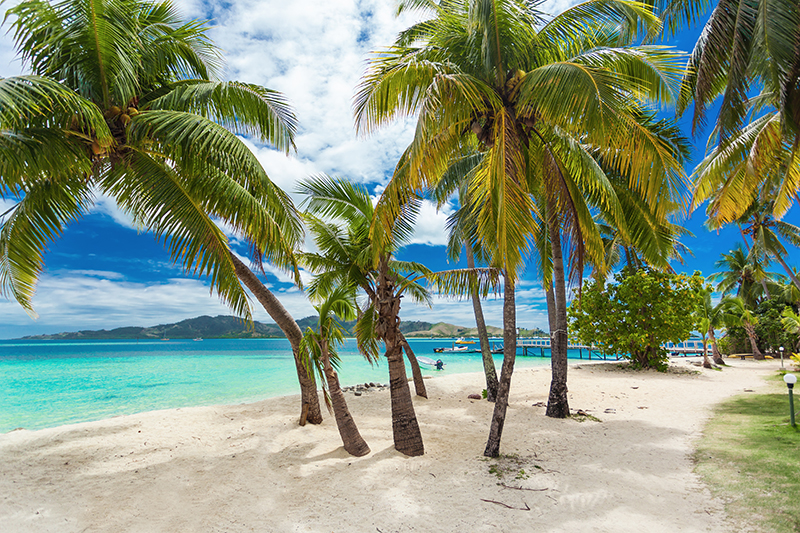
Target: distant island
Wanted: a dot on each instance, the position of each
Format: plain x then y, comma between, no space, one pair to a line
231,327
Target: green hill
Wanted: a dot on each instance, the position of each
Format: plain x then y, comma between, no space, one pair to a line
230,327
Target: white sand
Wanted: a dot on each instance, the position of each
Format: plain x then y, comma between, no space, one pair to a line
252,468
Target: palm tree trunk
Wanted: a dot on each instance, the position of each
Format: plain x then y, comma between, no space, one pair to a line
486,351
714,348
405,429
353,443
310,409
509,357
419,383
557,402
751,335
706,361
788,271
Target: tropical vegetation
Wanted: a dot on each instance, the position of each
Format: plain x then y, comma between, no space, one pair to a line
635,316
540,102
124,100
318,350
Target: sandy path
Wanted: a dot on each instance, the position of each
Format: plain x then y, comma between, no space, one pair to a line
251,468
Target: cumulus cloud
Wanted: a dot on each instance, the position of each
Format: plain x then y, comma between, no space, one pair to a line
83,299
315,53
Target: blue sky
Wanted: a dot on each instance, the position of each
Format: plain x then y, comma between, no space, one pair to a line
103,274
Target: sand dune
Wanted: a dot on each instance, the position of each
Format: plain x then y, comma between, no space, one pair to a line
251,468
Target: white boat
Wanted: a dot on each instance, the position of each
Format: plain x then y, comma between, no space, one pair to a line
427,361
453,349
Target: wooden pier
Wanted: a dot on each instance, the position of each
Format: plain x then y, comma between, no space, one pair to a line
684,348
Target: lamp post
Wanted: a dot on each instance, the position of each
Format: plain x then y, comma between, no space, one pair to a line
790,380
781,349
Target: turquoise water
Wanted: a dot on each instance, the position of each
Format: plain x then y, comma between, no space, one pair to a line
51,383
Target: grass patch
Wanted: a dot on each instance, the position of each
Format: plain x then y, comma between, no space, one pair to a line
511,467
749,456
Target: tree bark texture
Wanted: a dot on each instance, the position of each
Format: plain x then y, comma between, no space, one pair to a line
751,335
276,310
486,350
353,443
557,402
788,271
405,429
419,383
715,355
706,360
509,357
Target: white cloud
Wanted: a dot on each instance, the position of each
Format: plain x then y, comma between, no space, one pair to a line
93,300
106,205
430,227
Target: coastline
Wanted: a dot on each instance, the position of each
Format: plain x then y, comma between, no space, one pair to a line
251,467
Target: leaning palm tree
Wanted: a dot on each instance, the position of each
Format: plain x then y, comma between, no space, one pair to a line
766,233
538,99
318,350
737,314
124,100
745,43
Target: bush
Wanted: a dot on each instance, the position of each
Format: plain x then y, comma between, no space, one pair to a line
633,317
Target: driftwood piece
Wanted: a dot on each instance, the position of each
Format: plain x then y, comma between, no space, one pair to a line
526,508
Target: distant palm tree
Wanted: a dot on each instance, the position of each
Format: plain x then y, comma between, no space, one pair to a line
736,313
791,323
124,101
318,350
742,277
709,318
463,235
766,232
538,100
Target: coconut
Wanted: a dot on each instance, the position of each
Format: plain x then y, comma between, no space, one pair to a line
125,119
97,149
132,111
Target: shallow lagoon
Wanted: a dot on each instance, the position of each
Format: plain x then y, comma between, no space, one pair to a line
51,383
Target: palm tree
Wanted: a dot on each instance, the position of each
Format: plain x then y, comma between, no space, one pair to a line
124,101
791,323
463,234
318,350
346,259
709,318
737,314
537,99
741,275
746,44
309,399
759,224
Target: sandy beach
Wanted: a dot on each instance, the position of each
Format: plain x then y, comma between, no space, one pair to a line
252,468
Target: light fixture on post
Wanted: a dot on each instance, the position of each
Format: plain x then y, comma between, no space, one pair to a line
790,380
781,349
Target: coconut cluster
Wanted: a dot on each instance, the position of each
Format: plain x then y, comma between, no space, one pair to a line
118,118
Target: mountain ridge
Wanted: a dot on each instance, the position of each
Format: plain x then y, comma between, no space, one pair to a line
230,327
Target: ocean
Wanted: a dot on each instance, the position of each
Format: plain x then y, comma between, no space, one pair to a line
50,383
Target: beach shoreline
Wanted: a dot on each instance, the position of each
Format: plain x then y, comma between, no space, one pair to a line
250,467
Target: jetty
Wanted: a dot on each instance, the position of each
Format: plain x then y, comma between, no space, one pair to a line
687,347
